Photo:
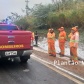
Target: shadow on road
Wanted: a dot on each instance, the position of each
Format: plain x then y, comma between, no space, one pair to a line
16,64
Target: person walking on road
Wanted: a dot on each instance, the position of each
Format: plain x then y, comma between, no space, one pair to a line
36,38
74,38
62,40
51,42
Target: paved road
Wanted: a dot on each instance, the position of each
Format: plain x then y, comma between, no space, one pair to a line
31,73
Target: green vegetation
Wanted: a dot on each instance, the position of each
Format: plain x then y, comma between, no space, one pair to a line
67,13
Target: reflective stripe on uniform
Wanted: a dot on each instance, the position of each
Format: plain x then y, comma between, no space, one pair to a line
52,38
61,37
73,40
51,50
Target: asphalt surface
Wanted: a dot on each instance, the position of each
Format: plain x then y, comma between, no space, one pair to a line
32,72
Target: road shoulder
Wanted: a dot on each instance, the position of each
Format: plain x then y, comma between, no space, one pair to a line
60,61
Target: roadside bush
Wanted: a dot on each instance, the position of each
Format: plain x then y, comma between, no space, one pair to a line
23,23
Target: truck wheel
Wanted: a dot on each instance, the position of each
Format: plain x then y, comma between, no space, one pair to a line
24,59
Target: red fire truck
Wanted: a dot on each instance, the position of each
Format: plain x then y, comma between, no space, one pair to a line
15,42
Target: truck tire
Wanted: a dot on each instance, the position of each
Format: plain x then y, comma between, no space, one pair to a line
24,59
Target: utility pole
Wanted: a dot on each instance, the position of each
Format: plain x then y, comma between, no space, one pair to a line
27,7
53,1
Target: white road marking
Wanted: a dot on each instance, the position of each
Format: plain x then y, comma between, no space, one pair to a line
46,63
35,48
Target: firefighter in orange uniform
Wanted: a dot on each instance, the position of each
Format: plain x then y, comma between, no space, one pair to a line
74,38
48,41
33,36
51,42
62,40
